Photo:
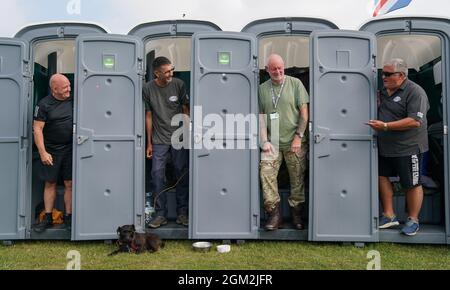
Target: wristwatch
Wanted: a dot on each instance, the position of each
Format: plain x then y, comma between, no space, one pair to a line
385,126
299,134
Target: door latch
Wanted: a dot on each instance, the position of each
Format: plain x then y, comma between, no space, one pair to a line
82,139
318,138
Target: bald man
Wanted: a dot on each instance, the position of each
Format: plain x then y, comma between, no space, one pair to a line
283,105
52,129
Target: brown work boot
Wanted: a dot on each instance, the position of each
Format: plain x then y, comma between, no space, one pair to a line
274,221
296,213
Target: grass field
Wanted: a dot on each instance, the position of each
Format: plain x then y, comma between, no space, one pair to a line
257,255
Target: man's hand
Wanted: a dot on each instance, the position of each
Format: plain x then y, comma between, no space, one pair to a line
267,147
149,151
296,144
377,125
46,158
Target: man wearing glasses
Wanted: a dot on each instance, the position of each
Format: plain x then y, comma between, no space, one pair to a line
402,140
165,97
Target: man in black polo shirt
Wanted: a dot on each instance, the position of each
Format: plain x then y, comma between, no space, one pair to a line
402,140
52,128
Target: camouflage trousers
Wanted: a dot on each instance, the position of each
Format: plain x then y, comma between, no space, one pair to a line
296,166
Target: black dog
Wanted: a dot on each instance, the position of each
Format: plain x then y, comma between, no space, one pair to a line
131,242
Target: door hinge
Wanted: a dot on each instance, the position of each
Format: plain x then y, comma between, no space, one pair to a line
408,25
140,67
445,130
60,32
173,29
255,61
288,27
255,219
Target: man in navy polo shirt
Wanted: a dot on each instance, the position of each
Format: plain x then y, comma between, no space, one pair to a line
402,140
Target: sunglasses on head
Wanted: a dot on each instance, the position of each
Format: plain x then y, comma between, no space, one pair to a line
388,74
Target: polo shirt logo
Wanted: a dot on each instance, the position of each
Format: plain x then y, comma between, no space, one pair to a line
173,98
36,111
397,99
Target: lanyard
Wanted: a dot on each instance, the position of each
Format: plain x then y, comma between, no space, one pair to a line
275,100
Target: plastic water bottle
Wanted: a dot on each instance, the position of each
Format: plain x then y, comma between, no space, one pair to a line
149,209
148,215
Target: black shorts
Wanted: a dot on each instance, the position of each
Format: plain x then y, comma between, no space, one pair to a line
408,168
62,167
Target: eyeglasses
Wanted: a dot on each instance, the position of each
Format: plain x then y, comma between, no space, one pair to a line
168,71
388,74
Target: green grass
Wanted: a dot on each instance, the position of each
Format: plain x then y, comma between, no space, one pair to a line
250,255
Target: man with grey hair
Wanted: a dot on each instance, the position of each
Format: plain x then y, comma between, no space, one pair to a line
283,104
52,129
402,141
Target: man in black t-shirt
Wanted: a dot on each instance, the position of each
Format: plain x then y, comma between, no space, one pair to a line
165,97
402,140
52,129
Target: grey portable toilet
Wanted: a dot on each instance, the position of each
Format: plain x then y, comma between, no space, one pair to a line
288,36
171,38
343,153
108,144
435,213
14,85
224,177
16,71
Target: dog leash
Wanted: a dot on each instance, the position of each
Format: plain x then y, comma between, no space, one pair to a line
169,188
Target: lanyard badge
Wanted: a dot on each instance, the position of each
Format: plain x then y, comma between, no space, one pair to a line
277,98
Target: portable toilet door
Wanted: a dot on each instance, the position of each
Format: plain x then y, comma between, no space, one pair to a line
343,153
108,144
433,74
224,163
288,37
14,86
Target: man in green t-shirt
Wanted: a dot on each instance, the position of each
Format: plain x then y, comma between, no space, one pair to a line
283,107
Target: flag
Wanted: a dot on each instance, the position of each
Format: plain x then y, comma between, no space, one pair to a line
386,6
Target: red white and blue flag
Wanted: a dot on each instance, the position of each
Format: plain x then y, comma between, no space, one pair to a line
386,6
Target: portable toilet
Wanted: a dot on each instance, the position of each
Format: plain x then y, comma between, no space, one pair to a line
290,38
171,39
424,44
111,195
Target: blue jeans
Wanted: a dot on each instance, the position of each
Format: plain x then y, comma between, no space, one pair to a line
180,159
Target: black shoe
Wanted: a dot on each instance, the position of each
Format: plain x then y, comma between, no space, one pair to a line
42,226
68,222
